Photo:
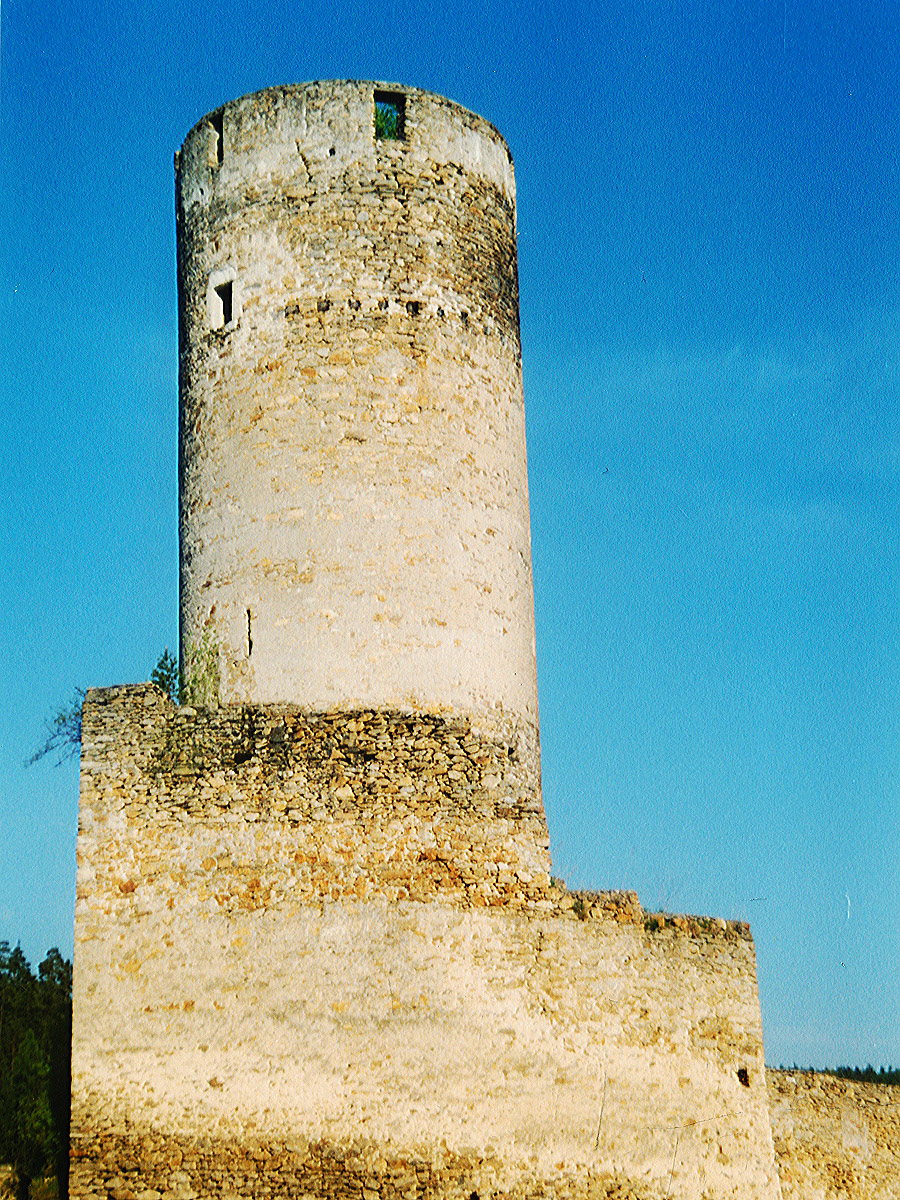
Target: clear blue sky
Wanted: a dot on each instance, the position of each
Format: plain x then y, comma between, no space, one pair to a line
709,238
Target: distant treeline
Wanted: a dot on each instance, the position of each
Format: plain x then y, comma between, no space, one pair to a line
35,1067
869,1074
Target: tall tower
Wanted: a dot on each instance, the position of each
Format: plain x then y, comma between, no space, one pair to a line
354,504
317,948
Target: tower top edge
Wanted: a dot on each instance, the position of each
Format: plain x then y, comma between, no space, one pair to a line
336,90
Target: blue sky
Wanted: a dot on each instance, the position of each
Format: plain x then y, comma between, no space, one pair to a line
709,232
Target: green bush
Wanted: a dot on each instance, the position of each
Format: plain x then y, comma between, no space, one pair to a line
387,121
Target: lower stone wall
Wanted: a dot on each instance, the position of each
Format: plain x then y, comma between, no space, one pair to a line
835,1138
535,1053
160,1166
248,807
316,956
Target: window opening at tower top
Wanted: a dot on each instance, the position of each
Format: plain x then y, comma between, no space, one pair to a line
390,116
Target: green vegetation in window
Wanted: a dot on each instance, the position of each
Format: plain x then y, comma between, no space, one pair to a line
387,120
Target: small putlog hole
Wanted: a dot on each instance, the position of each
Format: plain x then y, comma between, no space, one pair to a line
743,1076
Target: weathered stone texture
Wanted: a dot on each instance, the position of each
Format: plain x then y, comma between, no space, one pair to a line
318,952
237,1025
354,506
835,1139
258,807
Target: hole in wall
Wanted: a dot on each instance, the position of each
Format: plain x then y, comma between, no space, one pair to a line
353,305
413,307
390,116
382,304
464,317
249,633
223,304
743,1076
223,308
323,305
331,152
217,130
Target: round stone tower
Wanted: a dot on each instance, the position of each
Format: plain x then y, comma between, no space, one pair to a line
353,493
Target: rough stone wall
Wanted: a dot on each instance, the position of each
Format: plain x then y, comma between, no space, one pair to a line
247,1027
354,508
256,807
835,1139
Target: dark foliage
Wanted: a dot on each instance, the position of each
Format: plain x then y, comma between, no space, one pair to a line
387,121
35,1066
166,675
63,732
868,1074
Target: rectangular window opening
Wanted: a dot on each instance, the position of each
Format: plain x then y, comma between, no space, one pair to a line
224,312
217,124
390,116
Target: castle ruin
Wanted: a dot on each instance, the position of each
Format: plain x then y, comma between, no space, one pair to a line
319,952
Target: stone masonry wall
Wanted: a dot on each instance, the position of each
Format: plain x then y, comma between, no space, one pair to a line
354,501
835,1139
252,807
248,1023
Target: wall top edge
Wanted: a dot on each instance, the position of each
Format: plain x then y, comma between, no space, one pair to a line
337,86
106,707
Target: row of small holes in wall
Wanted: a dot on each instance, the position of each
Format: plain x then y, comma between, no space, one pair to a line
413,307
389,116
221,306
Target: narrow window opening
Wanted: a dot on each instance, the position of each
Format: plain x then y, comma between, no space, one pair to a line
223,307
390,116
249,633
217,124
